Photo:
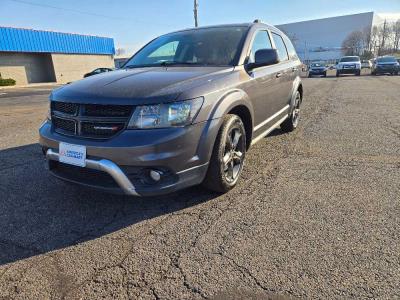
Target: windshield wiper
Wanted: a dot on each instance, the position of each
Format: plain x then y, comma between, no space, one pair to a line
167,64
188,63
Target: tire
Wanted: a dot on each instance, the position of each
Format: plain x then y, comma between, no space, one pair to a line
324,74
337,74
309,75
292,121
227,158
358,73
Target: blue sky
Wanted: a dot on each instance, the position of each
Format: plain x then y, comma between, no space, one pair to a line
134,22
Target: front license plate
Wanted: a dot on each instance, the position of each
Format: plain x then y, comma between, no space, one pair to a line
72,154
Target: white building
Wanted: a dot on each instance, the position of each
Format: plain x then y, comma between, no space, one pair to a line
322,39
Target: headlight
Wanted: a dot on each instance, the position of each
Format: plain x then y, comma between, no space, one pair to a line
165,115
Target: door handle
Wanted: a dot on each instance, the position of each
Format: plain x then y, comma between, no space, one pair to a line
279,74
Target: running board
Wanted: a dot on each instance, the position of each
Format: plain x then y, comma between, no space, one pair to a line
266,132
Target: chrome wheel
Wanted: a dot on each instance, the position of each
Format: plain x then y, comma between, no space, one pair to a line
233,154
296,111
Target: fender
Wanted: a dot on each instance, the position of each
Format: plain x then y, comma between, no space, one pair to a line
226,103
230,100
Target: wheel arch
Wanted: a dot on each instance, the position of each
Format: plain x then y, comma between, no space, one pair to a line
236,102
297,87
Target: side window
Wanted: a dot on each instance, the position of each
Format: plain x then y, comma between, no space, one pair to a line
261,41
291,50
280,47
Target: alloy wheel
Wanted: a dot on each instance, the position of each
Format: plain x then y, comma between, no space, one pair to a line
233,154
296,111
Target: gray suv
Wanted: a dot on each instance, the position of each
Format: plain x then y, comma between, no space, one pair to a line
182,111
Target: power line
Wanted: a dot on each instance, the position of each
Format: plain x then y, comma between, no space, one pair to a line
67,9
118,18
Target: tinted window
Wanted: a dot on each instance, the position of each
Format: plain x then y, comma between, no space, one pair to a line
350,59
318,65
388,59
166,51
261,41
291,50
280,46
206,46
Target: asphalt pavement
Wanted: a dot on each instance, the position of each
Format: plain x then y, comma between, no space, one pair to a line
316,214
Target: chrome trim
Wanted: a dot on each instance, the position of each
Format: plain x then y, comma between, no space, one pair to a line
263,134
270,118
104,165
192,168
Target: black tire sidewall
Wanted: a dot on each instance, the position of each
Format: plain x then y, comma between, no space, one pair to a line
215,178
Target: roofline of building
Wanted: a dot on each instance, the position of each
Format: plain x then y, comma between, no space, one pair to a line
334,17
53,31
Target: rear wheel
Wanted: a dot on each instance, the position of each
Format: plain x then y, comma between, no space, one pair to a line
292,121
227,159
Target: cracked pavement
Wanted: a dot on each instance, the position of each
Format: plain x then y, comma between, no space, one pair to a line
316,214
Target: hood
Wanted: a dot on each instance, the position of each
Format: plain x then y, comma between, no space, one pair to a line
139,85
387,63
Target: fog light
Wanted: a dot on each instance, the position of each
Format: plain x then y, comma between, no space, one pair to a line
155,175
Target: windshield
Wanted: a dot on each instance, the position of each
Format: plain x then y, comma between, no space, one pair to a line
350,59
386,59
207,46
317,65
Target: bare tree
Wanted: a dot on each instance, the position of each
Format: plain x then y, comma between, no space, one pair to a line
354,43
384,34
367,37
120,51
396,35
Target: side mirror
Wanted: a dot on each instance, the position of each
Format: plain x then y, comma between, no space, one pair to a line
264,57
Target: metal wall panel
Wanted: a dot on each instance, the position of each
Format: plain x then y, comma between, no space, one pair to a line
29,40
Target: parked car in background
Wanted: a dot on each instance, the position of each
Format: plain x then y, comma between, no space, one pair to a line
385,65
183,111
349,65
97,71
317,68
366,64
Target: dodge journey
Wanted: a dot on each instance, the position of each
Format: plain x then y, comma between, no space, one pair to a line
182,111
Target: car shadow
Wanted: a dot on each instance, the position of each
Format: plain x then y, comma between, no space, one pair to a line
276,132
39,213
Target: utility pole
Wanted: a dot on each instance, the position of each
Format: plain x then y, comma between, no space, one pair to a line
196,5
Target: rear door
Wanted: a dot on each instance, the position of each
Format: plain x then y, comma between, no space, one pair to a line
286,73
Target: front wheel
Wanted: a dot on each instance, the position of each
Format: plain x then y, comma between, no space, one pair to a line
292,121
227,158
337,73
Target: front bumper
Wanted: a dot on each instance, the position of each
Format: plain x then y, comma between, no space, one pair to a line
103,165
386,69
119,164
317,72
349,71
